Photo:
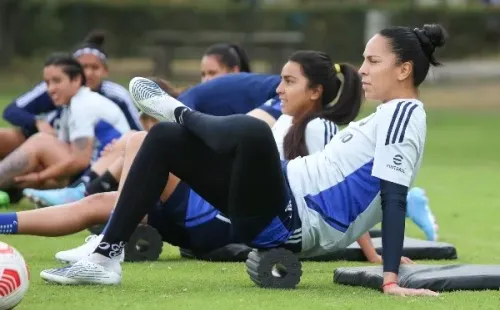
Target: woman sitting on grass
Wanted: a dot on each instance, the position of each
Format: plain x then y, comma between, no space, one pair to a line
88,122
223,91
181,216
309,205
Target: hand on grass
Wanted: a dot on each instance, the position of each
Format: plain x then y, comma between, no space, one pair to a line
394,289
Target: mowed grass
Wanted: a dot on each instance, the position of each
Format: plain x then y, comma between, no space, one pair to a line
460,174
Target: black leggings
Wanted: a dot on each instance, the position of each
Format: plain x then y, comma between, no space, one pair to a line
230,161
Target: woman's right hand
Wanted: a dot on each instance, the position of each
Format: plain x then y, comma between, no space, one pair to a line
45,127
397,290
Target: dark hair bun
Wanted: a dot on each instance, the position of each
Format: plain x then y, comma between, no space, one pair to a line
431,36
434,33
96,38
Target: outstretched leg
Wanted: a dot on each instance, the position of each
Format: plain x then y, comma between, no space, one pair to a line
62,220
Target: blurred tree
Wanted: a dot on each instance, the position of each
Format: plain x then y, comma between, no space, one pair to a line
8,10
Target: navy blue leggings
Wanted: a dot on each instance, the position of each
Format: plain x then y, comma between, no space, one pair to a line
230,161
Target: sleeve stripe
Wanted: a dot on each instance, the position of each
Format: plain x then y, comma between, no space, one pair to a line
28,97
326,131
400,121
397,119
115,90
394,116
406,123
330,130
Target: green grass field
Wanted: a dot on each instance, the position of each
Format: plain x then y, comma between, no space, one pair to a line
461,176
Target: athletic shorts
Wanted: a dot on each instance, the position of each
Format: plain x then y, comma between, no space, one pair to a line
285,230
186,220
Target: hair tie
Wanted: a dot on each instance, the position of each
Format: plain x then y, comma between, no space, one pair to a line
337,68
337,71
92,51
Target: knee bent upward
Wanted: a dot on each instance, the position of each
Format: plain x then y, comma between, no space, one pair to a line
42,137
242,130
126,136
159,132
250,128
44,142
135,139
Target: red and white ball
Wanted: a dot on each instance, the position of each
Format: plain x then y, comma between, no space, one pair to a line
14,277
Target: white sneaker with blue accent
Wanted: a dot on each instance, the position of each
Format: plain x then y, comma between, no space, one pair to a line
93,269
152,100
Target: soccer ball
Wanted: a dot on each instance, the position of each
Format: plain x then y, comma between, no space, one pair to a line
14,277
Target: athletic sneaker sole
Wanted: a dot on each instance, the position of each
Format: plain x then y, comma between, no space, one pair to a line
56,279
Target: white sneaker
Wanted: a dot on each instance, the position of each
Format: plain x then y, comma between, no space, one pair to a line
93,269
152,100
74,255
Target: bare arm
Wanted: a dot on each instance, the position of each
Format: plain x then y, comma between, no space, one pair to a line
81,154
365,242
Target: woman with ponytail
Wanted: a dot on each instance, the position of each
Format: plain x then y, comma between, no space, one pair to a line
317,96
314,91
35,111
94,59
223,58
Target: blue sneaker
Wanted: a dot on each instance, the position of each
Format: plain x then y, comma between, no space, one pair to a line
53,197
419,212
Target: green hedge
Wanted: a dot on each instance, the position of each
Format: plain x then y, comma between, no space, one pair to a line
339,31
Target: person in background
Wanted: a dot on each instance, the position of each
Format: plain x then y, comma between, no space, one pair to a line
35,111
88,122
227,87
223,58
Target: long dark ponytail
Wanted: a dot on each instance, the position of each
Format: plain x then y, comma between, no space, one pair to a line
320,71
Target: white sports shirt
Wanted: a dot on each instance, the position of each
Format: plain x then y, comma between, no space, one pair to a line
318,133
91,115
337,190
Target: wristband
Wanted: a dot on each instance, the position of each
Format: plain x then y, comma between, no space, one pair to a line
389,283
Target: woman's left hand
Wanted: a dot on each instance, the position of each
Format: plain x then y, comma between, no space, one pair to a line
28,180
378,260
